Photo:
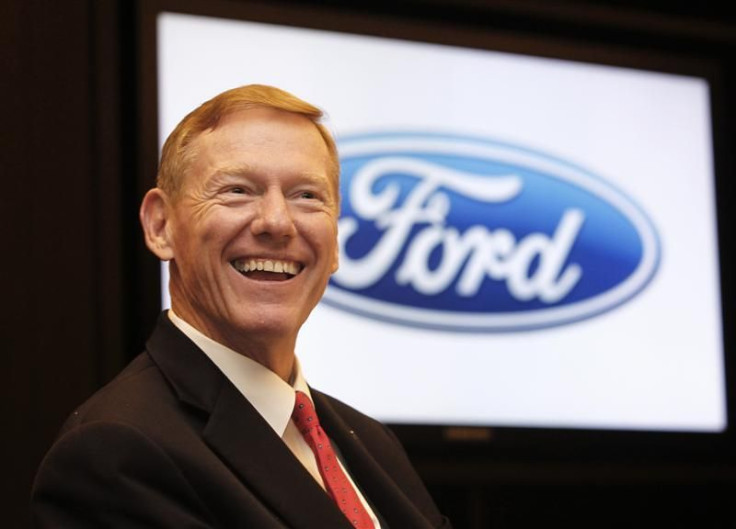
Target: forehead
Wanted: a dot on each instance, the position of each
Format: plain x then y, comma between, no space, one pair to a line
264,139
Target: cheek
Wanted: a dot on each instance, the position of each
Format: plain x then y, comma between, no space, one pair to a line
331,251
195,248
218,230
325,233
317,227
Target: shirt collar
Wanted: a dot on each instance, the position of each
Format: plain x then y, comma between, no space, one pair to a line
272,398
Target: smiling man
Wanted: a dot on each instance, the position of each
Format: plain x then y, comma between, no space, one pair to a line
214,425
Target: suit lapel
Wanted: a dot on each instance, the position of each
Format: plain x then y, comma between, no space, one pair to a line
237,433
240,436
385,496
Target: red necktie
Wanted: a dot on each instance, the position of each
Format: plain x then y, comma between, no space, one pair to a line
336,483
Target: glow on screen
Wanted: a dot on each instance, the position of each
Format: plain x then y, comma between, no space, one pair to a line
606,173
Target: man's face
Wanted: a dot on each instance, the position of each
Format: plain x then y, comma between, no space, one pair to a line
253,231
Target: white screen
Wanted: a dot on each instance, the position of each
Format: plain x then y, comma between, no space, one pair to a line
653,360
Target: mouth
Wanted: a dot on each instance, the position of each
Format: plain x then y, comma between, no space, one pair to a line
267,269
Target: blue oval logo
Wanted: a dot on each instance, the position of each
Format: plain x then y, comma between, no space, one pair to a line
465,234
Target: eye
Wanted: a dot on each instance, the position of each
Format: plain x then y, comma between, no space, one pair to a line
237,190
309,195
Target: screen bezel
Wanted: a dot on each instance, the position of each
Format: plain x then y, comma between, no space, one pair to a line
529,35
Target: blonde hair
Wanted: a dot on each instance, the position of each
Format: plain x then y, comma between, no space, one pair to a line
176,156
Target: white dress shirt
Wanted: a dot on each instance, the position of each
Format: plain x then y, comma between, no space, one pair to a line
271,396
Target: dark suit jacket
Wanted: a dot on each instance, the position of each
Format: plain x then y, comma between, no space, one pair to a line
172,443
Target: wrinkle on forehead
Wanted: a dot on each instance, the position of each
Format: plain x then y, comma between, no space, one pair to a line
209,148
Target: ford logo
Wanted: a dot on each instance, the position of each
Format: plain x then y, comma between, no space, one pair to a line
466,234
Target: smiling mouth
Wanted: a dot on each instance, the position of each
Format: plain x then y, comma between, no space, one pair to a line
267,269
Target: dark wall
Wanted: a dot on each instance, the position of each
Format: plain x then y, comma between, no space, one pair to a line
72,275
61,222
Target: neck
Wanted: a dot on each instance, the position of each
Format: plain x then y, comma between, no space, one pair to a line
278,358
274,351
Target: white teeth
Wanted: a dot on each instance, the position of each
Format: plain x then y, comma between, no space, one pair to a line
267,265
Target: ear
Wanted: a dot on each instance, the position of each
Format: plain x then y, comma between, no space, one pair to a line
155,219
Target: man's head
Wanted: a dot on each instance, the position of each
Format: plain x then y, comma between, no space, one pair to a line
246,212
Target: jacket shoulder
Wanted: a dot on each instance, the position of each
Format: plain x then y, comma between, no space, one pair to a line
142,398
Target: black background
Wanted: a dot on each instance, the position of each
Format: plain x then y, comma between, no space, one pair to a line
81,294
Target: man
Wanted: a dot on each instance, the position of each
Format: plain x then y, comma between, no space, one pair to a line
198,430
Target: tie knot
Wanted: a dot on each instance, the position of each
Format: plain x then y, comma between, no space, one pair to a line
304,416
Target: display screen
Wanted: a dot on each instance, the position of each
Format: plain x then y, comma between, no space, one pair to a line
525,241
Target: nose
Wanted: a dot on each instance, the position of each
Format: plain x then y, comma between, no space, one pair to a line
273,217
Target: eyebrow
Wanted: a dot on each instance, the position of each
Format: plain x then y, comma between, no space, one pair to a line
245,169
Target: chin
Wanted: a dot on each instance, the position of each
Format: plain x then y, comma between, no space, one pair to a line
269,325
